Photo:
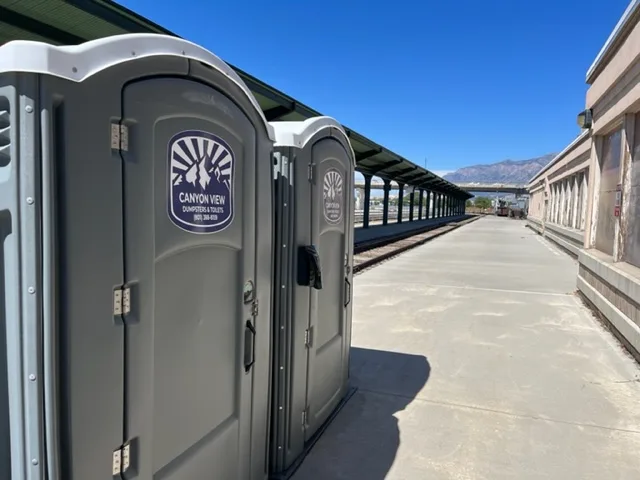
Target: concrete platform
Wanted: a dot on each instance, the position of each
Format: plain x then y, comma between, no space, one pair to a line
475,360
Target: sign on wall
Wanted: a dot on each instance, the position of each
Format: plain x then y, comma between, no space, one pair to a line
201,176
616,208
333,197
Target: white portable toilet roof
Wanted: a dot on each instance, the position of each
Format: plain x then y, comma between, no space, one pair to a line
297,134
79,62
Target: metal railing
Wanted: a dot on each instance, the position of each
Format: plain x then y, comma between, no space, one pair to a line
375,216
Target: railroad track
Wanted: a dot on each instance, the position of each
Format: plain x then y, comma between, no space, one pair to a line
370,253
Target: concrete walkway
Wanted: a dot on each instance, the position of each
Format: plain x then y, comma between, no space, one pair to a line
475,360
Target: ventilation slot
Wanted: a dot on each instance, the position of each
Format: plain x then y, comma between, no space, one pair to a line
5,132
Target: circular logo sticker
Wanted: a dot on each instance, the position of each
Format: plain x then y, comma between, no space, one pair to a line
201,168
333,196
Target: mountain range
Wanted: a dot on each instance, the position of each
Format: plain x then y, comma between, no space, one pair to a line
506,171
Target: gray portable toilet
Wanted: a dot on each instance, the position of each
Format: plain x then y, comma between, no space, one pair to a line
314,176
135,214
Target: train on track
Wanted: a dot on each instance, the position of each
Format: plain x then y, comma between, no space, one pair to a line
502,208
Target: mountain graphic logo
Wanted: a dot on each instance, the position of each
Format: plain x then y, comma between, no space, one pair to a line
201,170
333,196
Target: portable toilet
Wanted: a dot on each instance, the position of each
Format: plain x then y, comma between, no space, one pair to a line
314,175
135,217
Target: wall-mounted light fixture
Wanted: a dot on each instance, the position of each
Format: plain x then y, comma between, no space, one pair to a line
585,118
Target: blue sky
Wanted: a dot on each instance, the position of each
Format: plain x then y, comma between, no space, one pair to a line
458,82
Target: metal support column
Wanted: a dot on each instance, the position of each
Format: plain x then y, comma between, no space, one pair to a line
367,200
420,205
434,205
385,202
400,201
411,203
427,196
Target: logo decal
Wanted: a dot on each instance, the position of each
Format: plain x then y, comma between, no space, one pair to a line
201,168
333,197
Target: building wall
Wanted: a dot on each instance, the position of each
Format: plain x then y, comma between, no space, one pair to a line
614,87
536,203
609,263
558,196
614,96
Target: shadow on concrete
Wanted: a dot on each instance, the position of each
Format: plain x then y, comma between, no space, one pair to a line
363,440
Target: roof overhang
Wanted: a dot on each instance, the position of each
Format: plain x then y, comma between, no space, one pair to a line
629,19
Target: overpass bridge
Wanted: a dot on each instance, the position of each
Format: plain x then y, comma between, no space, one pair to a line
517,189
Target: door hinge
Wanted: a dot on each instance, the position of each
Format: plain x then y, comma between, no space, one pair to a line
119,137
121,301
121,460
305,417
254,308
308,337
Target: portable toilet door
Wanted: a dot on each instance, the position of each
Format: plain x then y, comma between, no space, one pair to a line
139,202
314,174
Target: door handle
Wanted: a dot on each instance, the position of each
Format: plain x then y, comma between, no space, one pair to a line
347,285
249,346
309,267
